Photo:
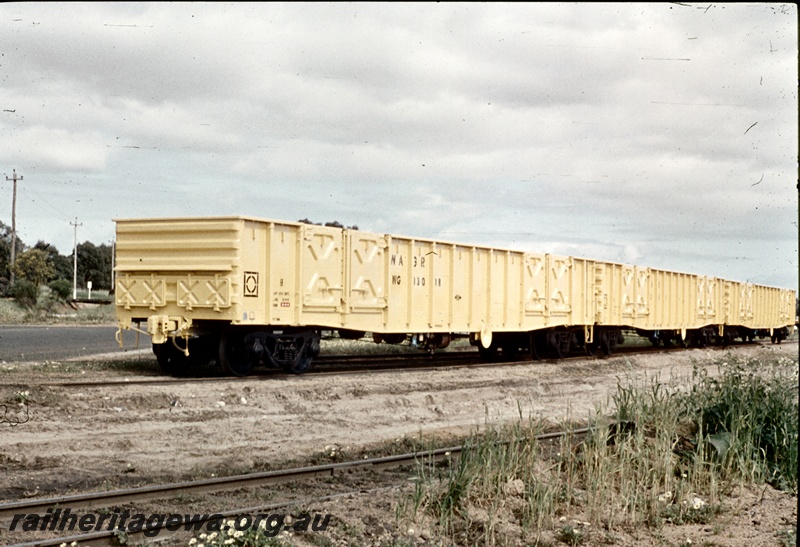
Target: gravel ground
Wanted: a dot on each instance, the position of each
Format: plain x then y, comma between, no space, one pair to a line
91,438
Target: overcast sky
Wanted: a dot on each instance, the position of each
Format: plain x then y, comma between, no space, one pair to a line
664,135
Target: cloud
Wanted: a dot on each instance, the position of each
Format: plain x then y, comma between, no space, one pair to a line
629,132
57,149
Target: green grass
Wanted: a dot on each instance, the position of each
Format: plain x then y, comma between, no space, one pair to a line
48,311
11,313
662,454
788,537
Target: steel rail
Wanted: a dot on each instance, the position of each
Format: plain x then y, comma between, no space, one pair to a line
393,363
216,484
374,363
105,537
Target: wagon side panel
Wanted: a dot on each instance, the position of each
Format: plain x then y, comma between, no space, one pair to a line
582,292
559,290
788,309
535,291
321,278
367,280
442,289
603,280
745,309
178,268
397,317
461,287
253,274
478,272
504,285
659,300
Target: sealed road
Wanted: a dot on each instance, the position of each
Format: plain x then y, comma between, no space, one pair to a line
54,343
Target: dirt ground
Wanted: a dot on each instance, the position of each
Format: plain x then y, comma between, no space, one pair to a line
79,439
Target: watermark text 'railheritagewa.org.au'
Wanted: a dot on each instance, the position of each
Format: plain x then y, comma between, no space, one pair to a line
64,520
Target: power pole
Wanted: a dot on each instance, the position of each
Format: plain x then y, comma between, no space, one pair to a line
113,255
15,178
75,260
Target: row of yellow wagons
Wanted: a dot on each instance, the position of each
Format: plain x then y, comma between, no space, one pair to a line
246,291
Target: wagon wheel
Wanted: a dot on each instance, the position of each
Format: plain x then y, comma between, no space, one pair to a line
394,337
600,344
234,355
614,339
699,340
300,365
533,350
171,359
538,346
591,348
559,344
564,345
347,334
728,338
609,344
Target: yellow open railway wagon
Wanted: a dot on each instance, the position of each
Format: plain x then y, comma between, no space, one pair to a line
246,291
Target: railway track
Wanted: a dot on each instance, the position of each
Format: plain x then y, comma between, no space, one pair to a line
371,364
104,538
107,499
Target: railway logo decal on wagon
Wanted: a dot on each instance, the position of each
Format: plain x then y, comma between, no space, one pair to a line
250,284
179,281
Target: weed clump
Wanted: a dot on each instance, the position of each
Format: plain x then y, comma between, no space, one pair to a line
664,455
748,419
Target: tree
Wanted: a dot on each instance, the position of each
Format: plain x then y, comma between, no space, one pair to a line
94,264
62,265
5,254
33,265
61,288
48,265
332,224
25,292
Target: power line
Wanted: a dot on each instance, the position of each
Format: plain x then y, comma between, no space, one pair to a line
39,201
